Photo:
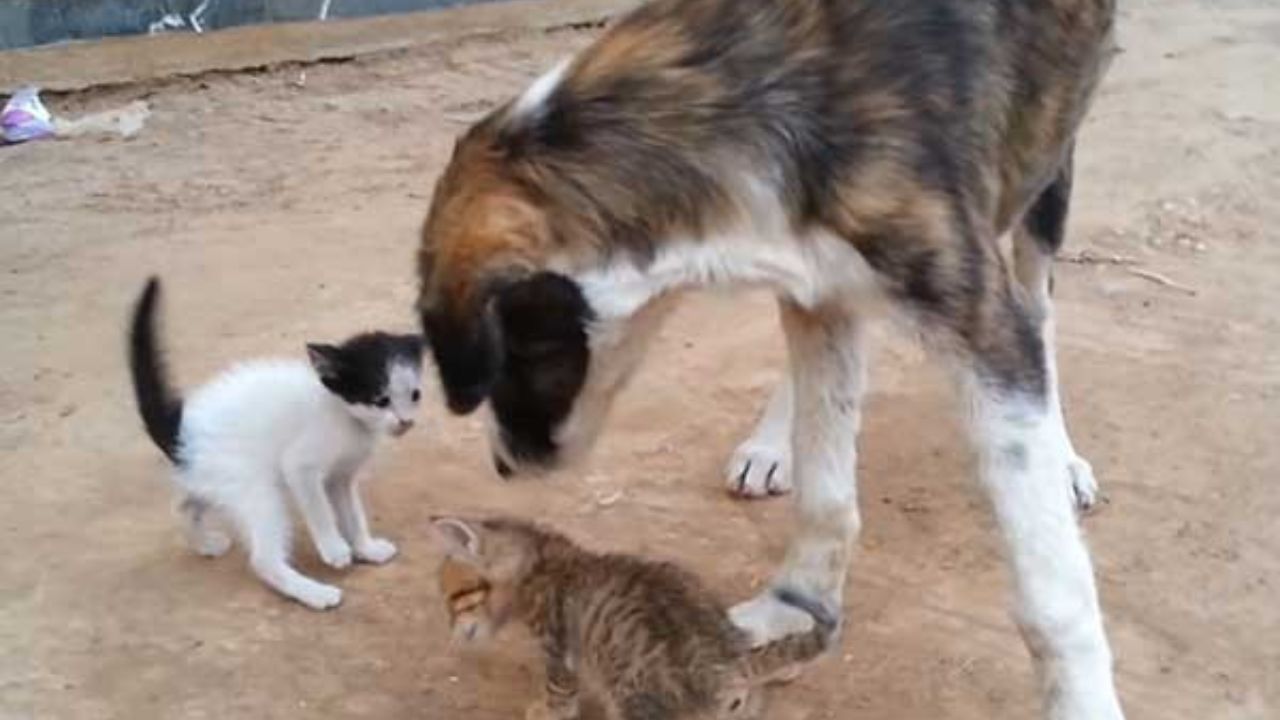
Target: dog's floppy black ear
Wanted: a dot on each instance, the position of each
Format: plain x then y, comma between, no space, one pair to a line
544,309
545,320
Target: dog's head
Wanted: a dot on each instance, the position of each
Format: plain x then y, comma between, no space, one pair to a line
502,326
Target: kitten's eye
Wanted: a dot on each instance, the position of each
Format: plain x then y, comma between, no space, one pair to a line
382,402
416,396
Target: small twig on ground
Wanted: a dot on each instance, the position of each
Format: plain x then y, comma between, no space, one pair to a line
604,501
591,24
1089,257
1159,279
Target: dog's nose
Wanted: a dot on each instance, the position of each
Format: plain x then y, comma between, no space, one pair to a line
505,471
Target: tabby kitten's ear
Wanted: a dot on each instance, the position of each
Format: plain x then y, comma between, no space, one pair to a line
459,539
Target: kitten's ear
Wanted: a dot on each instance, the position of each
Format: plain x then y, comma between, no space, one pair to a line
326,359
459,539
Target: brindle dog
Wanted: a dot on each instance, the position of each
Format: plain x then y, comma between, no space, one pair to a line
852,156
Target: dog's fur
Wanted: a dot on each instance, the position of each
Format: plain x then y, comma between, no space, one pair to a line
841,154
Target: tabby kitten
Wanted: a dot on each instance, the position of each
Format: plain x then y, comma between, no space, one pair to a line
646,637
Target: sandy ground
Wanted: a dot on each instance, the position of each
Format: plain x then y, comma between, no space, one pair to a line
280,212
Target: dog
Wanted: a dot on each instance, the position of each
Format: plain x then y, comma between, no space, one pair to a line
857,158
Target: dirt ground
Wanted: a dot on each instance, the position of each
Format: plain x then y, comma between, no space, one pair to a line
280,211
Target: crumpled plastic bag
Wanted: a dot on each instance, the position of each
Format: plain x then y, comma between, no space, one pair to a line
25,118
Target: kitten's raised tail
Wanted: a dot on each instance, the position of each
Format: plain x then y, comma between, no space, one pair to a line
772,660
159,405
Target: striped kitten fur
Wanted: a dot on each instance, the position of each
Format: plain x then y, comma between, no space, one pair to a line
646,637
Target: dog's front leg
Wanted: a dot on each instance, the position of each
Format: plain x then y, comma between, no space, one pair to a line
761,466
828,375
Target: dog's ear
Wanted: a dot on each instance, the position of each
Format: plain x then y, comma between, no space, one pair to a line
543,312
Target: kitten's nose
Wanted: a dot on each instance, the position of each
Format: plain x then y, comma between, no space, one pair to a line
404,425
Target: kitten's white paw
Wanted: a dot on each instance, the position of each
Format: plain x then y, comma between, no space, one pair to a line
766,618
335,554
211,544
318,596
1084,486
376,551
759,469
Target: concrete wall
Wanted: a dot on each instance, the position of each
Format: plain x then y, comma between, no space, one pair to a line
27,23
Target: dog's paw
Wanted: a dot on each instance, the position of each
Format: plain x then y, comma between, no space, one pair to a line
335,554
1084,486
376,551
759,469
765,618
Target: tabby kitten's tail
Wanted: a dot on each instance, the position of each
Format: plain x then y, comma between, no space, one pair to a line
159,405
772,659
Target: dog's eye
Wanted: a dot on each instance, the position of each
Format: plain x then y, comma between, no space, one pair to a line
417,395
382,402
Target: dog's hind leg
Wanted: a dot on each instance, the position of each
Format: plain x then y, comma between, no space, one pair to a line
1027,468
935,260
1035,241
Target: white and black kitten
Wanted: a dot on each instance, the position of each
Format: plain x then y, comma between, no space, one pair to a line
270,427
